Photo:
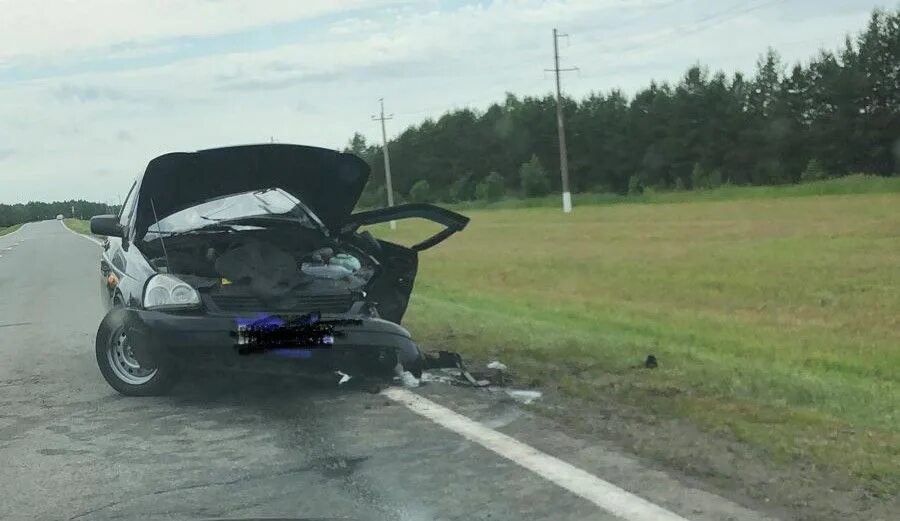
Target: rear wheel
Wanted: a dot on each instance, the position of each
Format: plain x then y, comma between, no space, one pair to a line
122,370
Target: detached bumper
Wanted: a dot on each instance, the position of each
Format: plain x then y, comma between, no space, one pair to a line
371,346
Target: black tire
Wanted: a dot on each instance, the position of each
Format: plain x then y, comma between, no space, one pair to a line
117,364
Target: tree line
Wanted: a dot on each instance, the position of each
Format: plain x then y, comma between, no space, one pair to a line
837,114
11,214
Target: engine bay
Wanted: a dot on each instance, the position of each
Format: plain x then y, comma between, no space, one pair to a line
275,266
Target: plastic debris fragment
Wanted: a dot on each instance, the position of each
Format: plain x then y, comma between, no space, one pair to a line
445,376
524,395
408,380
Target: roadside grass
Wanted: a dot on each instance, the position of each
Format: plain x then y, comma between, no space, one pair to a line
80,226
9,229
774,318
852,184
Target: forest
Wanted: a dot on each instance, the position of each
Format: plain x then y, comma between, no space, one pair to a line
836,115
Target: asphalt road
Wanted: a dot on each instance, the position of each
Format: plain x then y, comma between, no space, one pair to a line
245,447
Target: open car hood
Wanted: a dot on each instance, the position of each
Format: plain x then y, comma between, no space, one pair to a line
328,182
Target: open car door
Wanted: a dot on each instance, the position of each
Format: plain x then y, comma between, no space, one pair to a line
452,221
391,289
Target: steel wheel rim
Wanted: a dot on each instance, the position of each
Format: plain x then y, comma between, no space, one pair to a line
124,364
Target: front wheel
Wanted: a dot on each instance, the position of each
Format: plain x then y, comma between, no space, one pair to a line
121,369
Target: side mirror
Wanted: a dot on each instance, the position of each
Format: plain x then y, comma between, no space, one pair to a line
106,225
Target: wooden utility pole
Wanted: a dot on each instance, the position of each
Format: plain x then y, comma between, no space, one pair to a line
387,158
561,125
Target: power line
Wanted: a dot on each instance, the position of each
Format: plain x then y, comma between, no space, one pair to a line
560,123
387,158
697,25
693,27
480,99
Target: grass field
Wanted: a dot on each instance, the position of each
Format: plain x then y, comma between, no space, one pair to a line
9,229
775,318
78,225
853,184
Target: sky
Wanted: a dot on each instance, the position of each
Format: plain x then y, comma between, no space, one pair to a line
91,90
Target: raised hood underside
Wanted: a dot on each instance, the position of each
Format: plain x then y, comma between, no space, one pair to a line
328,182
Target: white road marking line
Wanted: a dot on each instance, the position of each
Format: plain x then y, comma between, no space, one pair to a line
605,495
93,240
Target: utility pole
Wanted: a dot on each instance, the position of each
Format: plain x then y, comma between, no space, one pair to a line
387,158
560,123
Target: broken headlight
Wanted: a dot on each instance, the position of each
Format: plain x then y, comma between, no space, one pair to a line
168,292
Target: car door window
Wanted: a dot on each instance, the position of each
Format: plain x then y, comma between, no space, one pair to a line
126,213
440,222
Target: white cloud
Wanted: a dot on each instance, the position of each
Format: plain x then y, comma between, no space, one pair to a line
43,28
86,133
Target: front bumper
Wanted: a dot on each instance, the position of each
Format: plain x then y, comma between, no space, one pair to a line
370,346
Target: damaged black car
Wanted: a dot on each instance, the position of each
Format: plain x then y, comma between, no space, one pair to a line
252,254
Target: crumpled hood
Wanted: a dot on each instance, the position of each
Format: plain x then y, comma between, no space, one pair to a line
328,182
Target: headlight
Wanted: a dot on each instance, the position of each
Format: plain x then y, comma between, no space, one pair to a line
169,292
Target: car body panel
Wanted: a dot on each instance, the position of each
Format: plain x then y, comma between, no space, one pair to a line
131,271
329,182
369,346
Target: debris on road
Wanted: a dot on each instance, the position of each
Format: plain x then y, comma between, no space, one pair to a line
442,360
344,377
477,383
452,360
524,395
455,377
497,365
441,376
408,380
494,377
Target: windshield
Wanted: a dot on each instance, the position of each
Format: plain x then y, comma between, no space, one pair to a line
271,202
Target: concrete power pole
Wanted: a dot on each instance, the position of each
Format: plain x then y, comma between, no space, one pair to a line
560,123
387,158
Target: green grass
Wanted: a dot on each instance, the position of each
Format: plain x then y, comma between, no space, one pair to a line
9,229
853,184
775,317
79,225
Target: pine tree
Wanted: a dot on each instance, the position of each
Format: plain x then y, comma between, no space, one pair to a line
491,188
534,178
420,192
814,171
635,185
